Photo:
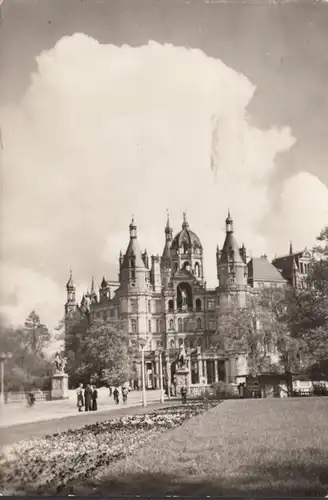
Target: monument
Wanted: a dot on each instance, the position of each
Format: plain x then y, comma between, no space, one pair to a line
182,371
59,382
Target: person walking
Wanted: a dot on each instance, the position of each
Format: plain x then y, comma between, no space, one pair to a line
88,398
183,393
79,395
116,395
94,398
125,392
110,391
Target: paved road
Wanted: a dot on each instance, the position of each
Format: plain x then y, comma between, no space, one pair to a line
38,429
18,413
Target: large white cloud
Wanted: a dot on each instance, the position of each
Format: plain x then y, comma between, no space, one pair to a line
104,132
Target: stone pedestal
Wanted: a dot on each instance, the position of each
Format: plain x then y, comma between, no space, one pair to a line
182,379
59,386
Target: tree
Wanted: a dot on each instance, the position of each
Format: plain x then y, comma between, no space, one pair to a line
104,355
29,366
36,335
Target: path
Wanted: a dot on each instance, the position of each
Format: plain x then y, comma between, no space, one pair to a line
18,413
38,429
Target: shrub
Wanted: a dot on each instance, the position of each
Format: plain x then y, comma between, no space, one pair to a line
320,390
222,390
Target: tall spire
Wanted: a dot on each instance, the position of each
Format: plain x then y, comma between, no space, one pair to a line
70,284
290,248
168,229
185,224
229,223
133,229
93,285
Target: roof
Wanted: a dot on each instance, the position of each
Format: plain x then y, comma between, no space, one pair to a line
186,236
230,245
260,269
134,251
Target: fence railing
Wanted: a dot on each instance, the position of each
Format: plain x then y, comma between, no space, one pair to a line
20,397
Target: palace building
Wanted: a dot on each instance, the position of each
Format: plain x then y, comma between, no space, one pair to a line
165,300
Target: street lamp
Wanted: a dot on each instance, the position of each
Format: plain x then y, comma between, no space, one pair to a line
3,357
160,351
142,344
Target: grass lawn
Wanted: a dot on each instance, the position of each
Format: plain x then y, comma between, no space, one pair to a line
265,447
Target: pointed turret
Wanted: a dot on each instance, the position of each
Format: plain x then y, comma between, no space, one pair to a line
295,274
290,248
133,270
231,265
70,305
93,294
104,291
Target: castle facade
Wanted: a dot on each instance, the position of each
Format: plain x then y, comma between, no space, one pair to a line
165,300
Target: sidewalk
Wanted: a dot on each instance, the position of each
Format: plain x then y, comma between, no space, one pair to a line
18,413
37,429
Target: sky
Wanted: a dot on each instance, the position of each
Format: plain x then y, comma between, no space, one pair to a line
113,108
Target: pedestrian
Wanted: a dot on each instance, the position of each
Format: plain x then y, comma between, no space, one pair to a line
116,395
88,398
110,391
125,392
94,398
79,395
183,393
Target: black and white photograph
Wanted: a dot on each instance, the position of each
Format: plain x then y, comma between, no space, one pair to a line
164,248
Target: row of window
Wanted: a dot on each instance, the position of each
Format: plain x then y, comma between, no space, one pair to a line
171,308
185,325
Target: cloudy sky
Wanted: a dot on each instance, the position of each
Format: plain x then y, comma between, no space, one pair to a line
120,107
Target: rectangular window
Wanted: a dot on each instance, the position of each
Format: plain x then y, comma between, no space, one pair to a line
149,325
158,307
158,325
134,326
133,306
212,325
211,304
149,306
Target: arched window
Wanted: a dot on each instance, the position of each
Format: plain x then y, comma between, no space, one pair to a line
185,247
172,344
180,324
133,325
197,270
199,342
185,325
171,324
180,342
199,323
186,266
198,305
171,306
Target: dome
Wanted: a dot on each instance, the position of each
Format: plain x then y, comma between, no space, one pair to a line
186,237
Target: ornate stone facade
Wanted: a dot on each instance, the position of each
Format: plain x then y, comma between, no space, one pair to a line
166,301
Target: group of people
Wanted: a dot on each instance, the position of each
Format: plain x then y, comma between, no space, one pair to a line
116,394
87,398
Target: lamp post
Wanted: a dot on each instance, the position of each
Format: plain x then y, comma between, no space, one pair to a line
160,351
3,357
142,344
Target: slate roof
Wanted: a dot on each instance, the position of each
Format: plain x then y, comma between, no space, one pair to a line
260,269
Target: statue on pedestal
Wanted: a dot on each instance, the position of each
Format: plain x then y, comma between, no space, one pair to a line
59,363
182,357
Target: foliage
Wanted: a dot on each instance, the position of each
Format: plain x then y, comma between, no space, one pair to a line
55,460
28,366
102,354
223,390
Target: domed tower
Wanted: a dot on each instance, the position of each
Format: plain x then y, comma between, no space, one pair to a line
166,264
231,263
70,306
133,272
187,252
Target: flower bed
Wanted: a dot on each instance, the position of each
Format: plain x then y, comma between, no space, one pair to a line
61,458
